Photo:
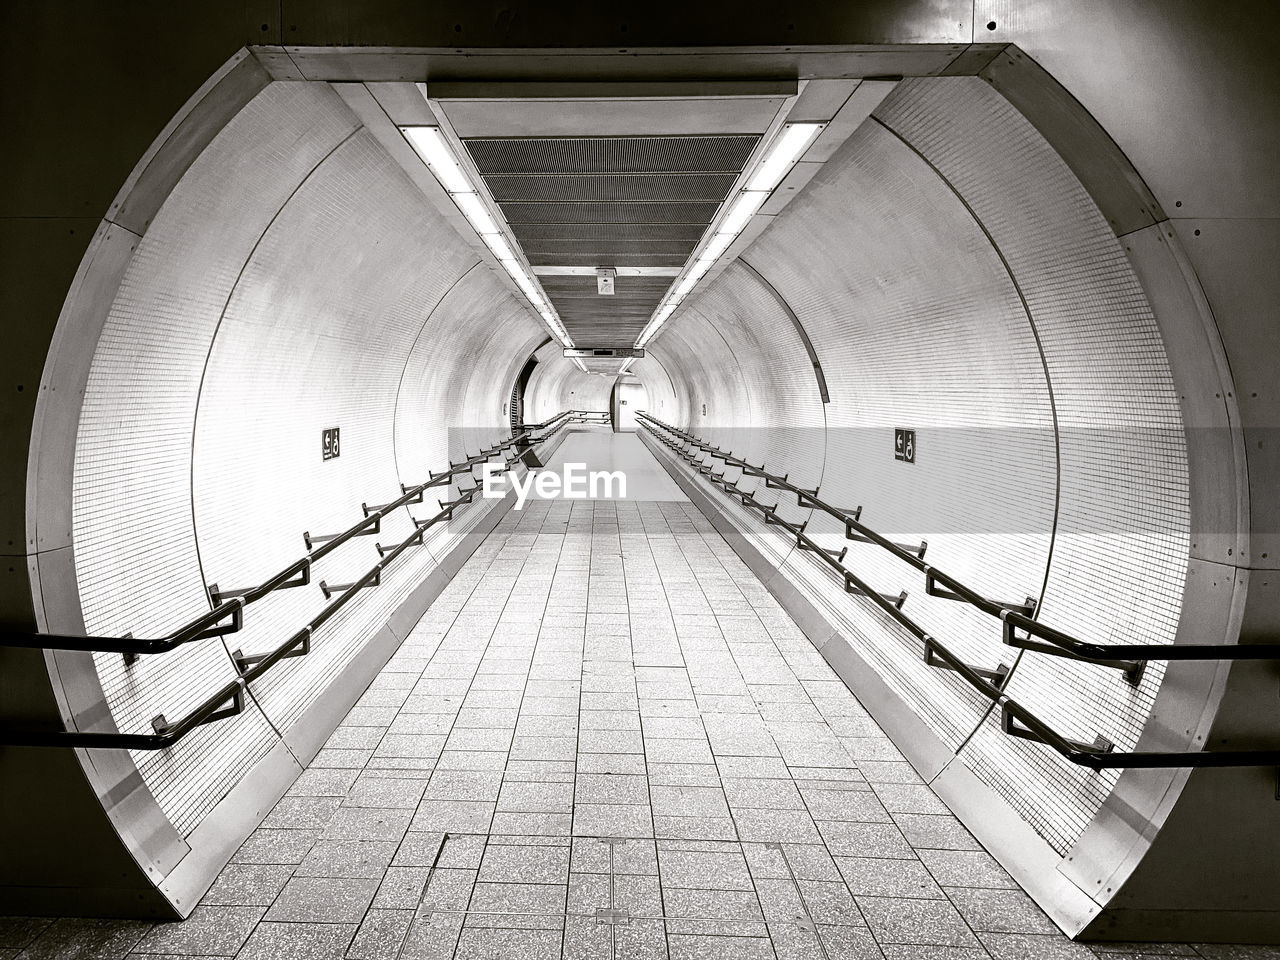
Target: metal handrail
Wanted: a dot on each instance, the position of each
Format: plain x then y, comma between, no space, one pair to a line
1016,720
228,700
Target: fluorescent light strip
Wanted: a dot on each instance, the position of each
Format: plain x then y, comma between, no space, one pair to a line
498,244
432,147
785,150
476,212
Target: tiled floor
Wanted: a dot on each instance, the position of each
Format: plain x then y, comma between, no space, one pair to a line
605,711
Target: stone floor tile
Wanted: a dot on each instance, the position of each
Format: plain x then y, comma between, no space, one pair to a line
385,792
478,943
368,823
611,788
910,798
630,856
1000,911
348,858
298,941
916,921
865,840
829,902
424,849
301,813
535,797
17,932
323,782
735,913
323,900
523,906
431,936
555,825
700,947
804,861
1020,946
276,846
209,931
71,938
694,828
917,951
838,942
380,935
775,826
452,816
850,806
612,763
928,831
659,750
449,889
248,884
875,877
401,888
586,939
525,864
612,820
762,794
966,868
691,869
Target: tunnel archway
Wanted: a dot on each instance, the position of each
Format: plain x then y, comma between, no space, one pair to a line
927,185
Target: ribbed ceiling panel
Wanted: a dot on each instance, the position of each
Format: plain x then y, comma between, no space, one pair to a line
632,260
529,233
710,154
615,252
638,212
609,202
596,187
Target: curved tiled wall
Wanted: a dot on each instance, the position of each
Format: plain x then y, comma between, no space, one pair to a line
294,280
955,278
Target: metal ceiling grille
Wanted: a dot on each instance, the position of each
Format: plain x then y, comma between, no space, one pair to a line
528,233
611,186
641,211
710,154
609,202
615,251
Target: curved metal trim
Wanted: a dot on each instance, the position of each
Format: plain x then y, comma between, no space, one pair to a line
795,321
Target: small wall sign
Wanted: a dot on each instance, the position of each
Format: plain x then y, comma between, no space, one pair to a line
904,445
329,442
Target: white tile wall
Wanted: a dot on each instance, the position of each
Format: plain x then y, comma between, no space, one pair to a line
303,264
1119,556
137,563
918,324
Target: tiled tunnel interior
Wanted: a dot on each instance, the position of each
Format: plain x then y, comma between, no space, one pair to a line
605,739
934,343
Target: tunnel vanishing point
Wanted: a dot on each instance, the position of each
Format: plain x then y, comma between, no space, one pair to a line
939,342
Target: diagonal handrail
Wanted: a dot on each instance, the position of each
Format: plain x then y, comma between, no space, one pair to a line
228,700
1016,720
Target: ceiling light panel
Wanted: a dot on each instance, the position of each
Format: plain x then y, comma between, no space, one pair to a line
786,150
431,146
434,149
787,147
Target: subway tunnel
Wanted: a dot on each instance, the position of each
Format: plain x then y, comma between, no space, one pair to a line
933,343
